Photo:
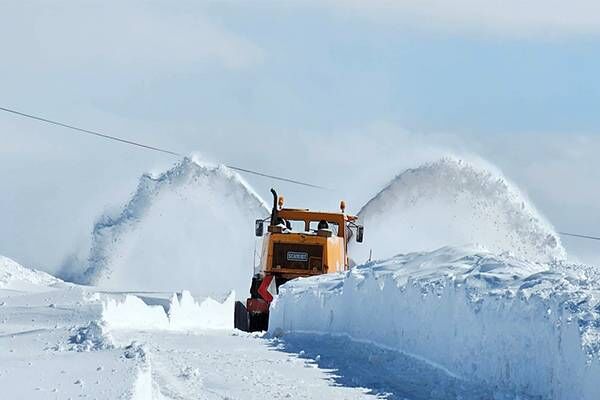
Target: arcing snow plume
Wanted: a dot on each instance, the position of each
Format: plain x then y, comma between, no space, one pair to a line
451,202
190,227
509,324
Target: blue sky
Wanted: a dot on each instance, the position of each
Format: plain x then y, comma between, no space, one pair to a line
315,68
355,90
349,71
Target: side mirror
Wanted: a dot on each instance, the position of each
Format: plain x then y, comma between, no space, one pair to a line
360,230
259,227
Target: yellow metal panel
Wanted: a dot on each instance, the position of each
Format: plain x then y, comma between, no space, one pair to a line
334,251
334,254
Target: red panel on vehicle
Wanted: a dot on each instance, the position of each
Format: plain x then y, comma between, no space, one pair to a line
263,289
257,306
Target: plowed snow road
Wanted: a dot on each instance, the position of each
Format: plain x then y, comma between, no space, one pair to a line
54,345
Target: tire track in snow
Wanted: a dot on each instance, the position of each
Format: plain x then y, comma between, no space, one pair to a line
225,365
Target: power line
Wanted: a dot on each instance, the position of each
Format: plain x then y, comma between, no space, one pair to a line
579,236
145,146
276,177
102,135
173,153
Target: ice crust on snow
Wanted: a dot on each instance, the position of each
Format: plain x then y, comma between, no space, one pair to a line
527,327
451,202
183,313
189,227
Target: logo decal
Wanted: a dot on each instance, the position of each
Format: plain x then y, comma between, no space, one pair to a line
297,256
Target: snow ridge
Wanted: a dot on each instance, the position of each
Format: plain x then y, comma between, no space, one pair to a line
520,326
181,229
181,313
452,202
12,274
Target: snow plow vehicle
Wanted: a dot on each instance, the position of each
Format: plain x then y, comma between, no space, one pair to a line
298,243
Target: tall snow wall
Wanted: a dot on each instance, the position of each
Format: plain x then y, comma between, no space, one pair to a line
519,326
453,202
190,227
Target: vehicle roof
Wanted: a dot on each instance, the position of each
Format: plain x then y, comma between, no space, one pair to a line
306,214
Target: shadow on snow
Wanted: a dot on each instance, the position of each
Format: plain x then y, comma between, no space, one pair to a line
386,373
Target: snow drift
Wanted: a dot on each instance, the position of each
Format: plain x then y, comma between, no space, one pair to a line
452,202
182,313
187,228
517,325
16,277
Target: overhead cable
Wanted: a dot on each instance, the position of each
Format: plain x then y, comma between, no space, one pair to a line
148,147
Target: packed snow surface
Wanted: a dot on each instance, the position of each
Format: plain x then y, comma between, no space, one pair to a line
190,227
52,347
521,326
453,202
65,341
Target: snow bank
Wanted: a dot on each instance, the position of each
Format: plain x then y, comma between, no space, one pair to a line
521,326
451,202
16,277
185,313
191,226
182,313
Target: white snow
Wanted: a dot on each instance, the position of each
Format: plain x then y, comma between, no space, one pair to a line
185,313
16,277
144,388
523,327
132,312
451,202
503,318
189,227
216,365
56,339
60,343
51,346
182,313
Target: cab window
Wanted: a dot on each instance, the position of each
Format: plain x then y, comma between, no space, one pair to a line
297,226
314,226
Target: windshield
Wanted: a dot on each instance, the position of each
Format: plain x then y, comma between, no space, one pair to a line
332,226
313,226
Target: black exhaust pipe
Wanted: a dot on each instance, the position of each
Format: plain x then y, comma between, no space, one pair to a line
274,211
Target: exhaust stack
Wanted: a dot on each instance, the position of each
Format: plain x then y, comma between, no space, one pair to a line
274,211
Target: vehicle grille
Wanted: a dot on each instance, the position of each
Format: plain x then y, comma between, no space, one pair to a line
298,256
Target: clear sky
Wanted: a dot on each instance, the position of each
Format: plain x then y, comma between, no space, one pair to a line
345,93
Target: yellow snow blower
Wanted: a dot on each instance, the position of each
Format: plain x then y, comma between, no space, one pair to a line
298,243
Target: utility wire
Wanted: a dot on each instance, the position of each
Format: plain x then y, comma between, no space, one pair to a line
89,132
579,236
130,142
173,153
277,177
